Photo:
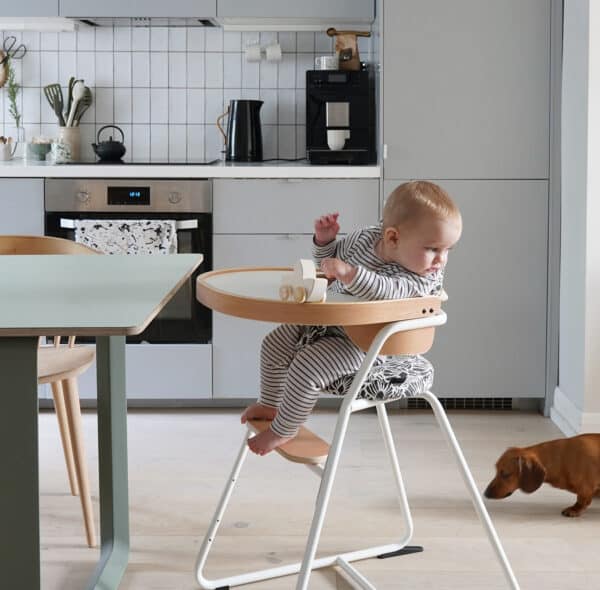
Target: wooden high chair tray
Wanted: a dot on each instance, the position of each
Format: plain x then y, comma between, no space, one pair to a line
253,293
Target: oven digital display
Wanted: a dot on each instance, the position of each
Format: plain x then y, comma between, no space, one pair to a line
128,195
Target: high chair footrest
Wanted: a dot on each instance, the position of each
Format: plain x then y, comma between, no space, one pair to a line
404,551
305,447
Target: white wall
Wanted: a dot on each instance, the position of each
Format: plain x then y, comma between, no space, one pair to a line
576,405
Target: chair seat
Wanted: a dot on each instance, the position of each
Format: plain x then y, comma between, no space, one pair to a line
305,447
55,364
390,378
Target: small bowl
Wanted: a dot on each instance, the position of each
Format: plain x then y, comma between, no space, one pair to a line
38,151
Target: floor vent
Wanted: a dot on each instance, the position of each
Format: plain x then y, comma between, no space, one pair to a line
464,403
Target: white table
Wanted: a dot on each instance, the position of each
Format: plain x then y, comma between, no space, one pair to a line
104,296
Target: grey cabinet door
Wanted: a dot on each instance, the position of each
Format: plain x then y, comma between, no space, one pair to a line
466,88
22,206
29,8
236,341
147,8
494,344
346,9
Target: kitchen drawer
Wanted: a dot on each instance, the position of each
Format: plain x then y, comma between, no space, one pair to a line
282,206
161,371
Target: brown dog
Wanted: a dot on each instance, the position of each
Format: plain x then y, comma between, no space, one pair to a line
571,464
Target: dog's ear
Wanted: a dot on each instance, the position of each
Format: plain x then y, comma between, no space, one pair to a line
531,474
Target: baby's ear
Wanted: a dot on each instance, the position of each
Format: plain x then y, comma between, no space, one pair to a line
390,234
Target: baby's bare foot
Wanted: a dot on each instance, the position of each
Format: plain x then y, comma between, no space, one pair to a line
266,441
258,412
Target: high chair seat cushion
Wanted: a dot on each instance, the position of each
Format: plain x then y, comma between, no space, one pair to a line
392,378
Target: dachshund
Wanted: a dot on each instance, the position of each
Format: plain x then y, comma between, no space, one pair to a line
571,464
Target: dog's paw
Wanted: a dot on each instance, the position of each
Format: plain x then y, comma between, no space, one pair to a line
571,512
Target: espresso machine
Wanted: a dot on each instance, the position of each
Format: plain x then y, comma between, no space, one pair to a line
340,117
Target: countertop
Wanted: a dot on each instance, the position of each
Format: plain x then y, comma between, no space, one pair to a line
20,169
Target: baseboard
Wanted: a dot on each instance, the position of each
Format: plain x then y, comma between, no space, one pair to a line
569,418
565,414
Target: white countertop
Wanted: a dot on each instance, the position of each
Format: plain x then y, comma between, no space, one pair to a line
20,169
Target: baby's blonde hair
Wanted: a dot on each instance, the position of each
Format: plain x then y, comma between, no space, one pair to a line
412,201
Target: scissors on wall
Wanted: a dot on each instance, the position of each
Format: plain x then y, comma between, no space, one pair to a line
12,52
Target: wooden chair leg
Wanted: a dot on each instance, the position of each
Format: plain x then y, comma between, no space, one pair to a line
74,415
65,435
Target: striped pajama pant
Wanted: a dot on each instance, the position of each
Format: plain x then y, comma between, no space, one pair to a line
292,377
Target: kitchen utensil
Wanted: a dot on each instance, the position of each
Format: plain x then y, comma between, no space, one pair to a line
346,46
70,94
243,140
12,52
83,105
78,93
54,96
111,150
7,148
3,69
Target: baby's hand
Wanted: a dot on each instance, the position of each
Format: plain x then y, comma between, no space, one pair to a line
334,268
326,228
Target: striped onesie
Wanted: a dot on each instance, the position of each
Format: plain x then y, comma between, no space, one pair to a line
298,362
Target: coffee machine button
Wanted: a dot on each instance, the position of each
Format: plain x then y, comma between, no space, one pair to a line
174,198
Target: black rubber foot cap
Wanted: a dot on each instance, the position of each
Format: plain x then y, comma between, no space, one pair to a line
404,551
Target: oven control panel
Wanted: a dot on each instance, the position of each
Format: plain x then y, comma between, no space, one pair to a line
128,195
122,195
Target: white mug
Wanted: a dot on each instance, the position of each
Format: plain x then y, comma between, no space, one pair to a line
7,151
336,138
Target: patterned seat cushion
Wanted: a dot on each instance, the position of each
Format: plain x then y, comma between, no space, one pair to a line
392,378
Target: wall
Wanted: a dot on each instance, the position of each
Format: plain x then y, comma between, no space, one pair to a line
165,87
576,405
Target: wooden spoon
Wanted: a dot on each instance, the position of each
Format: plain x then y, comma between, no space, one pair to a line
78,93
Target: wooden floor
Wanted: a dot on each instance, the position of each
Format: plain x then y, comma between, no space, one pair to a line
178,462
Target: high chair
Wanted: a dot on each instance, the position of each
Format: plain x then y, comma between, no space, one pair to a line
406,337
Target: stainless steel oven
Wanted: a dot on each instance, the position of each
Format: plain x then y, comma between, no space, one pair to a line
187,202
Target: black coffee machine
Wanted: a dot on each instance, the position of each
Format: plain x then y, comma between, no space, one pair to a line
340,117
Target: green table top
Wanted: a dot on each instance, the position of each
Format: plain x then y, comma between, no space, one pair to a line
87,295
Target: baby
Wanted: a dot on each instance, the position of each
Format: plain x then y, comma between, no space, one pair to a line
403,257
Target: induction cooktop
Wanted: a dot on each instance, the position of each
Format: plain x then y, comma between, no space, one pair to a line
142,163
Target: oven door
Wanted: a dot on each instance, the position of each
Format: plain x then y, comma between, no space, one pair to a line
183,319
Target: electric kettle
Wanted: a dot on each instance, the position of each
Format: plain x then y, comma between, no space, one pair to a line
243,140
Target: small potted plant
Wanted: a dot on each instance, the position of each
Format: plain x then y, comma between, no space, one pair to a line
12,89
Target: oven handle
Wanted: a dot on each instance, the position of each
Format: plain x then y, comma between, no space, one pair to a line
183,224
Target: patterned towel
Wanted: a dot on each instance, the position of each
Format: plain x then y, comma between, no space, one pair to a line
128,236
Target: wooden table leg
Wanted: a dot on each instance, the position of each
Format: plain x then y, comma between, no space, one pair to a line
112,458
19,479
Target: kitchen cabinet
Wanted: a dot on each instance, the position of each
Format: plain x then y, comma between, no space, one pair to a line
165,372
148,8
466,88
494,344
270,223
346,9
22,212
30,8
22,206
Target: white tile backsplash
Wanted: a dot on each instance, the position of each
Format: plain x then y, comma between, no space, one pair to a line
177,106
166,86
122,68
159,105
159,69
177,70
140,68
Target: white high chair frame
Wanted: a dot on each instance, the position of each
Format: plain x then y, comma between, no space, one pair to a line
327,473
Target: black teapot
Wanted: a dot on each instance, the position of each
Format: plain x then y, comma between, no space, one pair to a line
111,150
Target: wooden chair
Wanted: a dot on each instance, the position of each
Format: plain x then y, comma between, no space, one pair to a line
60,364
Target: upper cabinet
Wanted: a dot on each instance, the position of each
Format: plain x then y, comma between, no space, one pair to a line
359,10
29,8
466,88
148,8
